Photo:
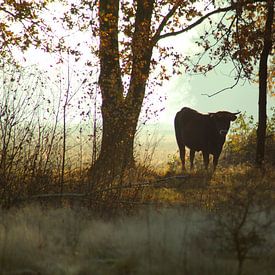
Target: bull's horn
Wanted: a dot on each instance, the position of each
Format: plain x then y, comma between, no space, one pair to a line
236,113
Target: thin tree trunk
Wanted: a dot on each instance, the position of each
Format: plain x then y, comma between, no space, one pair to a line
261,131
65,129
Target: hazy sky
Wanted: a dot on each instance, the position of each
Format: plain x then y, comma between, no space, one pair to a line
187,91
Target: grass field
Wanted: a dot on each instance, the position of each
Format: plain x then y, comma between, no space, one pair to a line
197,224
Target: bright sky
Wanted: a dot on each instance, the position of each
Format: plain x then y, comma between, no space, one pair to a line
187,91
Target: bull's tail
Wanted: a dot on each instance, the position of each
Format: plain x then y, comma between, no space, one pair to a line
178,132
178,129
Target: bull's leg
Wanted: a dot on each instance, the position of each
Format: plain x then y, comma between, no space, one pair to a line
205,159
192,156
215,161
182,157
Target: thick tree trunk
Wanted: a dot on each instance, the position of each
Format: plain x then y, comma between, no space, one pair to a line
120,113
117,145
261,131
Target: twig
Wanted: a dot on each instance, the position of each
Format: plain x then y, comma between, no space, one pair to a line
88,195
224,89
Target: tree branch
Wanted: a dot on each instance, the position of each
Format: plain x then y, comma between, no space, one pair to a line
196,23
163,23
221,58
224,89
200,20
141,52
8,12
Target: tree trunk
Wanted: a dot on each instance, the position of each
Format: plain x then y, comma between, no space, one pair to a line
116,154
120,113
267,46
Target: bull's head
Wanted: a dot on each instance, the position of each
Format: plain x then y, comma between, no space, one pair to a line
222,121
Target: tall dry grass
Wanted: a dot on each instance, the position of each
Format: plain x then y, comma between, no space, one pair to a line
155,241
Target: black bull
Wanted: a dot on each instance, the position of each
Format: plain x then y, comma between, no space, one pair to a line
202,132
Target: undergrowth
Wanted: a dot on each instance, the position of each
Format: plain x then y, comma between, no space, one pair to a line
199,223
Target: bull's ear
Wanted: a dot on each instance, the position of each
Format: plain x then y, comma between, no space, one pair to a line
233,117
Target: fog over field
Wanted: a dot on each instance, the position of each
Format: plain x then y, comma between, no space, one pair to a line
167,241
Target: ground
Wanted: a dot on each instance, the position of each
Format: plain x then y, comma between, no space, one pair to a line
162,225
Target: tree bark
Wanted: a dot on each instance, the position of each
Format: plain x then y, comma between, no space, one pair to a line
120,113
267,46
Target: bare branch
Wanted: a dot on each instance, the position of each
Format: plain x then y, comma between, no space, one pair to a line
224,89
8,12
221,58
196,23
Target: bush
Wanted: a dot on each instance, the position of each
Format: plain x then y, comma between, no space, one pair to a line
241,141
